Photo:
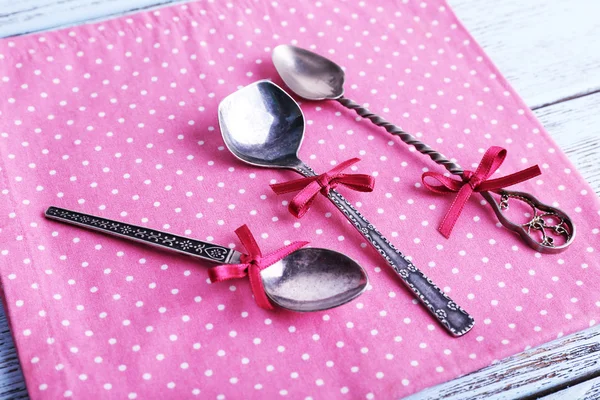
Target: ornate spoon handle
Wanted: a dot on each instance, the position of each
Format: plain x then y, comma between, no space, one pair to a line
544,243
406,137
164,240
456,320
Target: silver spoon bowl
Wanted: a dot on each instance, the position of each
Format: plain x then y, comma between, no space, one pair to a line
313,279
308,74
315,77
309,279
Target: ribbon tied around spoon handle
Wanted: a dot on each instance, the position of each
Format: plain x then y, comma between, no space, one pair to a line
310,187
544,244
474,181
451,316
251,265
477,181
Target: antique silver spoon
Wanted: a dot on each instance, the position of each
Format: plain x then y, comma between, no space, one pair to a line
263,126
315,77
309,279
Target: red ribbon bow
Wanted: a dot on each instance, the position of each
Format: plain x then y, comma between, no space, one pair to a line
475,182
310,187
252,264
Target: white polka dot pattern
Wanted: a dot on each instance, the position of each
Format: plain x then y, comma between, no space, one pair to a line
119,119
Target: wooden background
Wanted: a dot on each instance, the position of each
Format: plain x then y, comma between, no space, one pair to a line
550,51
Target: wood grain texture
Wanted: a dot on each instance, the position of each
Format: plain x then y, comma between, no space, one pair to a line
588,390
550,52
541,370
575,126
12,384
27,16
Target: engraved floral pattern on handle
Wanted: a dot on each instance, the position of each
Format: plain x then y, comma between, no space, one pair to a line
455,319
149,236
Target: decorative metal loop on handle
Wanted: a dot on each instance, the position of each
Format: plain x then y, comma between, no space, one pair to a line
537,224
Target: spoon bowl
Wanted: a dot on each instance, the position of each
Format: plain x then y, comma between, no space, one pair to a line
264,127
312,279
309,75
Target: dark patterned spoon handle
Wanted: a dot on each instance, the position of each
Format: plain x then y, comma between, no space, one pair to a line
452,317
534,232
164,240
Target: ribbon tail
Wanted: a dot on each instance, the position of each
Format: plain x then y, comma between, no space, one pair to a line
509,180
227,271
358,182
456,208
291,186
258,289
247,239
304,199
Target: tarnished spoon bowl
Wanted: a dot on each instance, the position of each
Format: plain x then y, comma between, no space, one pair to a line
312,279
308,74
264,127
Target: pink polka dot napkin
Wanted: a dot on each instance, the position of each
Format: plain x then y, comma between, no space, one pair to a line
119,119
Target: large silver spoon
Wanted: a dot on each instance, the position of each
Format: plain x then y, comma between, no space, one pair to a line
315,77
263,126
309,279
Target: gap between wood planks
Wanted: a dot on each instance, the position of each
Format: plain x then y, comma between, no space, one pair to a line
567,98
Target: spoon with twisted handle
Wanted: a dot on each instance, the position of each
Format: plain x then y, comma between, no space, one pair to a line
308,279
315,77
263,126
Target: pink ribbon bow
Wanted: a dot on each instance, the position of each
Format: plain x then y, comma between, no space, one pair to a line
310,187
475,182
252,264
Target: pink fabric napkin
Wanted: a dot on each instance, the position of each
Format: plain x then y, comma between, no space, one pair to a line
119,119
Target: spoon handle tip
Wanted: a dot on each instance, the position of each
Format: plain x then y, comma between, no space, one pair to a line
538,232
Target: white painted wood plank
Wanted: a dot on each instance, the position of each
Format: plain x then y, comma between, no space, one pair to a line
540,370
588,390
12,383
548,49
26,16
575,126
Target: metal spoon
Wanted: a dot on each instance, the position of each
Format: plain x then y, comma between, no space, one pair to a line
314,77
309,279
263,126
